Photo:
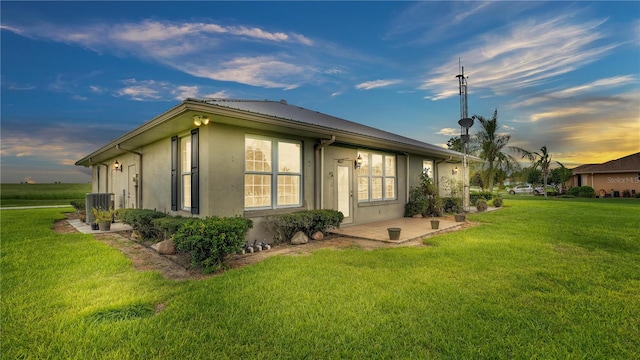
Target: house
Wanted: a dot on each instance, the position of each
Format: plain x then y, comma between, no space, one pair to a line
252,158
613,178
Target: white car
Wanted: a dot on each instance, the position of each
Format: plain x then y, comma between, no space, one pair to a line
526,189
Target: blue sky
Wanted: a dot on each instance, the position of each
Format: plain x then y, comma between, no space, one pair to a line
76,75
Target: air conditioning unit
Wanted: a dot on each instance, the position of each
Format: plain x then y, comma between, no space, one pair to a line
97,200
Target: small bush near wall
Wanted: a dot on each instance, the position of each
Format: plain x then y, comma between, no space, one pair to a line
486,195
582,191
78,204
142,220
210,240
168,225
284,226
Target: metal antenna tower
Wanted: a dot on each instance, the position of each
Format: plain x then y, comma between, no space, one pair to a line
465,123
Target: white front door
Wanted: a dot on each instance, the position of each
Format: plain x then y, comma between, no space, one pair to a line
344,192
131,201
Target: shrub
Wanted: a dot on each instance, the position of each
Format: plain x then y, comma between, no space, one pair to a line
582,191
481,204
497,201
168,225
452,205
141,220
78,204
418,203
284,226
210,240
626,193
485,195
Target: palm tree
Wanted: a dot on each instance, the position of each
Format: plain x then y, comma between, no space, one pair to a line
541,159
489,145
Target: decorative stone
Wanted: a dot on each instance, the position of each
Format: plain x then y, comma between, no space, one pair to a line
135,235
299,238
166,247
318,235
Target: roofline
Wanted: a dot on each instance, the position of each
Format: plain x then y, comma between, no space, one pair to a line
191,104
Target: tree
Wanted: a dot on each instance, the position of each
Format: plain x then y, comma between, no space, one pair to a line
490,145
540,159
454,144
560,176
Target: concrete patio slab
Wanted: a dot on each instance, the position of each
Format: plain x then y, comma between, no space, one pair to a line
86,228
410,229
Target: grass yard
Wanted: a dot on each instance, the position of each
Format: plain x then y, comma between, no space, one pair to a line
41,194
538,279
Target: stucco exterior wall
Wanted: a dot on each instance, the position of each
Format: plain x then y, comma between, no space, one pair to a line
609,182
156,176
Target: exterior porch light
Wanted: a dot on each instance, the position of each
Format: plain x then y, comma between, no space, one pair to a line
454,171
200,120
117,166
358,162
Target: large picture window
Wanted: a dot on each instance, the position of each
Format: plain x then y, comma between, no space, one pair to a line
273,173
376,177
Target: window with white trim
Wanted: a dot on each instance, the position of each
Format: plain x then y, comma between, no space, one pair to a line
185,171
273,173
376,177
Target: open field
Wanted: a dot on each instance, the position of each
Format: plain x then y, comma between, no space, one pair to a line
538,279
41,194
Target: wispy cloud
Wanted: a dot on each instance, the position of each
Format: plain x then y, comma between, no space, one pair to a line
368,85
192,47
528,54
449,132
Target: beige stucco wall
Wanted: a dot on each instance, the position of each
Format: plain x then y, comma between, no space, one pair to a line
609,182
117,182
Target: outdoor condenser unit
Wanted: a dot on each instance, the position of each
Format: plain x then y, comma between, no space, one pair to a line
98,200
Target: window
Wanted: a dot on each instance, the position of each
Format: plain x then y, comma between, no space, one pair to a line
427,168
376,177
273,173
185,173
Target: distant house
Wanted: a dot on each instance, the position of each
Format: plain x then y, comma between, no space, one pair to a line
612,178
251,158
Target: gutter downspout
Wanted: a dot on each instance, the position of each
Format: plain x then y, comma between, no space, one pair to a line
139,183
319,166
406,195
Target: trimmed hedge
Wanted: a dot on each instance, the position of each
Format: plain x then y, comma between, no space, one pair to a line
168,225
78,204
142,220
582,191
486,195
210,240
284,226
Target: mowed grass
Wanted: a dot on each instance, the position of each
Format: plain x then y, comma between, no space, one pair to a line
41,194
538,279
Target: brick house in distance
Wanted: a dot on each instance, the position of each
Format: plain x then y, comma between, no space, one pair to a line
611,179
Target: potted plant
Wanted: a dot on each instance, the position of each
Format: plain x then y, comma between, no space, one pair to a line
435,223
461,217
394,233
103,218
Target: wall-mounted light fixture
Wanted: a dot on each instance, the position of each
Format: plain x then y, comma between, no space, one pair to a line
454,171
358,162
200,120
117,166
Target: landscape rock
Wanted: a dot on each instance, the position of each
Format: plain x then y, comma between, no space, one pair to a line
299,238
135,235
166,247
318,235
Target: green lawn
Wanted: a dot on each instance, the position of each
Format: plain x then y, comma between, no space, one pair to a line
41,194
538,279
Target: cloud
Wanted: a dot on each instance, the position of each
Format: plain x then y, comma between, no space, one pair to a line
196,48
142,90
595,86
528,54
368,85
449,132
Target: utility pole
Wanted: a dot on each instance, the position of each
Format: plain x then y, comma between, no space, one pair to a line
465,123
